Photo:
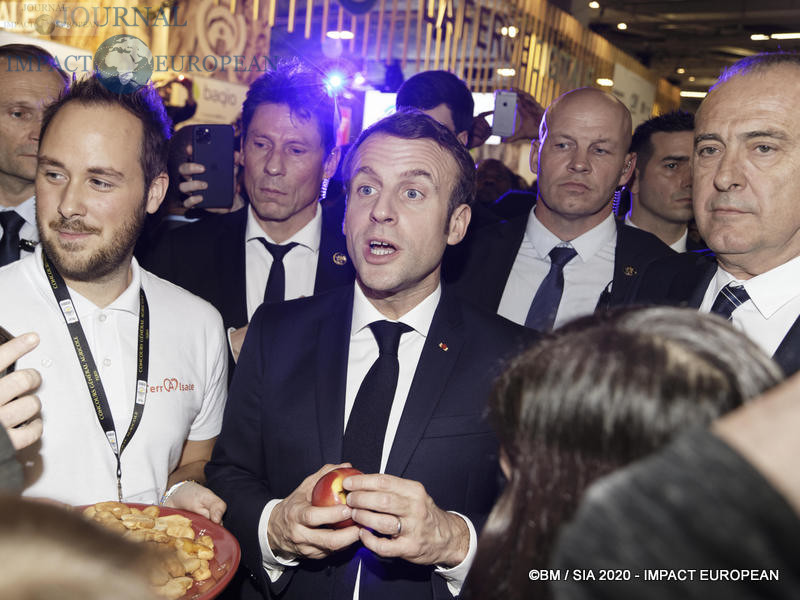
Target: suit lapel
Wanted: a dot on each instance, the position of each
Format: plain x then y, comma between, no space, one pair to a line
690,289
232,269
788,353
333,265
330,374
439,355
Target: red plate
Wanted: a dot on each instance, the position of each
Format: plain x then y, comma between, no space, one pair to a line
226,552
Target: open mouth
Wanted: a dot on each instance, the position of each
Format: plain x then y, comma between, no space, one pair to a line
379,248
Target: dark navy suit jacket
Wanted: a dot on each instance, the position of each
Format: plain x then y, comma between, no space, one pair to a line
480,271
682,280
285,419
208,259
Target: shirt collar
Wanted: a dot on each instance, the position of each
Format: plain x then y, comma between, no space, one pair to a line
678,245
127,301
419,317
587,244
26,210
769,291
308,236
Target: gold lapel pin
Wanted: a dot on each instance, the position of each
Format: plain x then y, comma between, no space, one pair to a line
339,258
629,271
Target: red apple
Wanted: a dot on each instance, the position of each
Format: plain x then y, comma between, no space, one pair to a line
329,491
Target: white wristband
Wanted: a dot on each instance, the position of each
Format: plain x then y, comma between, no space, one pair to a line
172,490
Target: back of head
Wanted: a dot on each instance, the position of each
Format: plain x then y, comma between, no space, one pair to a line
429,89
49,553
593,396
144,103
27,57
299,87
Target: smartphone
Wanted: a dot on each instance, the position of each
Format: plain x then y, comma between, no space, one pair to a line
505,113
5,336
212,147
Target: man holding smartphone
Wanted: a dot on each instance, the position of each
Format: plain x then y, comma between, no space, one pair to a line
283,244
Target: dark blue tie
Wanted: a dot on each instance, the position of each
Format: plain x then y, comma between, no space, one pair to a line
731,297
276,282
366,428
12,222
542,313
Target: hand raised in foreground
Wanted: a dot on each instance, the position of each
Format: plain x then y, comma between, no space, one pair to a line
198,499
19,407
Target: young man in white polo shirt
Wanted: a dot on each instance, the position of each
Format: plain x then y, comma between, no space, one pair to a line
133,368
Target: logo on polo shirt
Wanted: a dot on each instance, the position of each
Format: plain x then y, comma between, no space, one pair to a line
171,384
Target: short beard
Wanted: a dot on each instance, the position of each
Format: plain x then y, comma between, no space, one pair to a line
100,264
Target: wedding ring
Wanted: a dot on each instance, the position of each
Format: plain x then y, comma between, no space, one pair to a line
399,528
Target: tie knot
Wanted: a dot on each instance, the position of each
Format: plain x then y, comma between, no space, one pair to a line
278,251
561,255
11,221
387,334
735,293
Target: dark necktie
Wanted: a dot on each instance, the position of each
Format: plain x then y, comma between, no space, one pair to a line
9,244
542,313
276,282
366,428
729,299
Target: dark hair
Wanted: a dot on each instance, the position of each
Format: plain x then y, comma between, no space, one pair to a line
414,125
302,90
757,63
429,89
25,54
671,122
595,395
145,104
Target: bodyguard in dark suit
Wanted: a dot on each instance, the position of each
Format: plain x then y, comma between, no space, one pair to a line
282,245
297,403
567,256
746,197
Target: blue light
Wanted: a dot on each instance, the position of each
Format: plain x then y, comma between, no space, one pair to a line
334,82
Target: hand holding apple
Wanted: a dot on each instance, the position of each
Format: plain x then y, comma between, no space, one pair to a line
297,528
329,491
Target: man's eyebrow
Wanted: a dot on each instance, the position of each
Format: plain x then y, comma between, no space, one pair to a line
705,137
103,171
675,158
772,133
417,173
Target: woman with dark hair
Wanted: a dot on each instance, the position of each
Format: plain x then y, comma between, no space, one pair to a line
593,396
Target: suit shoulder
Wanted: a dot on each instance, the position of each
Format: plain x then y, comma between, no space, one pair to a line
303,312
499,328
643,242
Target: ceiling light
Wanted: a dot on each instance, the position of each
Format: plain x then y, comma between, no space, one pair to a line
680,70
506,72
785,36
759,37
692,78
512,31
622,26
340,35
687,94
605,82
594,4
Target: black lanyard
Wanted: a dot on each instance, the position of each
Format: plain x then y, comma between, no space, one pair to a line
89,368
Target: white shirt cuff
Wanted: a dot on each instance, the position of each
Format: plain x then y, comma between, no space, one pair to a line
230,344
274,565
455,576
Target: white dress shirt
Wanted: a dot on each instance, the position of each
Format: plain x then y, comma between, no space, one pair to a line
585,276
300,263
363,352
28,231
678,246
773,306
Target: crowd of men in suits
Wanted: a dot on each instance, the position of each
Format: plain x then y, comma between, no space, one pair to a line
358,332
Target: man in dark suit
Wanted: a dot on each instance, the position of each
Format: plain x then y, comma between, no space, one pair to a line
300,395
566,256
283,244
746,198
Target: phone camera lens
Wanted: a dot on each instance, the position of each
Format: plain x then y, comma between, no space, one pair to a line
203,135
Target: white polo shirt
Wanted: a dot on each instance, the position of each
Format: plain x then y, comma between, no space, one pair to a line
187,380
